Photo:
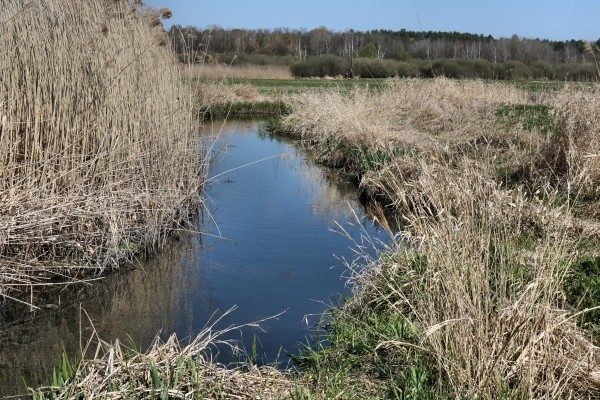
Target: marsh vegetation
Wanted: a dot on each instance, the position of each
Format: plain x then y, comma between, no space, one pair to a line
85,113
494,187
489,291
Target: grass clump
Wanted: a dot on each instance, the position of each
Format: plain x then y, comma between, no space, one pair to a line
572,155
98,154
167,370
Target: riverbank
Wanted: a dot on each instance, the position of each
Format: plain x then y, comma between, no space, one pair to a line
495,188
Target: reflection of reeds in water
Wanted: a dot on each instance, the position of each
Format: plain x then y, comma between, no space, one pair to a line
228,126
97,157
160,295
331,196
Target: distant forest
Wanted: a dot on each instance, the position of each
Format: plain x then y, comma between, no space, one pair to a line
319,52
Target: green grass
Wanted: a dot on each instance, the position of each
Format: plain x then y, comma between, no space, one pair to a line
244,109
297,85
530,116
582,288
376,160
349,362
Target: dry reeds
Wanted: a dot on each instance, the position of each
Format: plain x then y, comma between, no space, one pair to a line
421,116
169,369
98,158
218,93
248,71
572,154
403,107
483,279
492,314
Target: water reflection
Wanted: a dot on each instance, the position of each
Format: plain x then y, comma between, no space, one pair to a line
266,247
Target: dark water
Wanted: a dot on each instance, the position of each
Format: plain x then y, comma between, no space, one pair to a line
267,247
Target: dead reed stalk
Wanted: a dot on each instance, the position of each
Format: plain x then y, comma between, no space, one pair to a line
168,369
491,304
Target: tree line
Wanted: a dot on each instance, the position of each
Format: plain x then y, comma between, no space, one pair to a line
297,46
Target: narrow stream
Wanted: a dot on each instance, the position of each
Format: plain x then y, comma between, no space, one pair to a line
267,247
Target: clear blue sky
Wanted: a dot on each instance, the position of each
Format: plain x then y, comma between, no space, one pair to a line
549,19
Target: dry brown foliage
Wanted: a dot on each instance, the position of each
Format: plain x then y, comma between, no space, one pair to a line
225,71
491,307
219,93
494,316
572,155
412,112
171,369
98,158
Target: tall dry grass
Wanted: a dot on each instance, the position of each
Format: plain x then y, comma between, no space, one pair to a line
98,158
488,298
248,71
439,115
483,280
572,156
168,369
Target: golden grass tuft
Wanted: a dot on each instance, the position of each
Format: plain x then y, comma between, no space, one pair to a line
219,93
572,154
98,154
493,314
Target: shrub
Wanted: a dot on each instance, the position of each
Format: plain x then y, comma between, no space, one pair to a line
327,65
374,68
406,69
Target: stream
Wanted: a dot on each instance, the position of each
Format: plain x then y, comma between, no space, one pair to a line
267,246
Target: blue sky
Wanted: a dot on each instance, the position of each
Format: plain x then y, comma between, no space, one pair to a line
550,19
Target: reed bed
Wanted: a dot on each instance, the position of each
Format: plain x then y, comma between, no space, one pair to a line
210,93
573,154
217,71
98,154
477,301
411,115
